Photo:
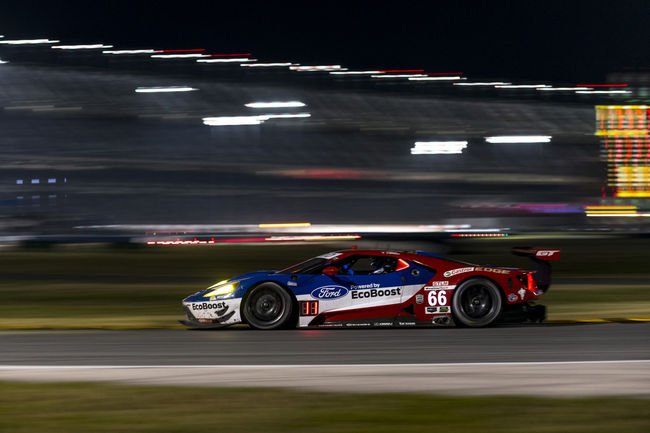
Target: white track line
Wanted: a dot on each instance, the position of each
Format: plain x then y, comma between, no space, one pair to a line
230,366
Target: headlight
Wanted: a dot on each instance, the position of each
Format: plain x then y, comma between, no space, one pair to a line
222,288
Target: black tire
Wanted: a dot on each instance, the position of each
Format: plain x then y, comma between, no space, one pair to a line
268,306
477,302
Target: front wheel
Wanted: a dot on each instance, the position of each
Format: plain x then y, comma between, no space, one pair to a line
268,306
477,302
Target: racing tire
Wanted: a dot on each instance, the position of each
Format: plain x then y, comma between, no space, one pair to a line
476,303
268,306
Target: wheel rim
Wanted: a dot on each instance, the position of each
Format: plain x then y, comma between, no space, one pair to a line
266,307
476,301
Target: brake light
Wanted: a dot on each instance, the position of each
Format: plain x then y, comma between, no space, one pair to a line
531,282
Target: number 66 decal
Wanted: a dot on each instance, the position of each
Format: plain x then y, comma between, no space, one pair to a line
437,298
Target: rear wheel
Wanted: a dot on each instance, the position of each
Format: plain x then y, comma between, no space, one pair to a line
268,306
477,302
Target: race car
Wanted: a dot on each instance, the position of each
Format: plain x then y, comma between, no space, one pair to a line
374,288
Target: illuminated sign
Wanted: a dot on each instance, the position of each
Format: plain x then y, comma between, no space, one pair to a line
625,132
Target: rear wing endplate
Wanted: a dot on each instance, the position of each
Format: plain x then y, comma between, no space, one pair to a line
540,257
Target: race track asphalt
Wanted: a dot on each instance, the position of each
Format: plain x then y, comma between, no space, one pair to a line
606,342
545,360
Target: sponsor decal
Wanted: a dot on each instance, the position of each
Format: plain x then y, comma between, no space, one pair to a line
443,309
291,283
220,315
375,293
512,297
419,299
522,293
437,283
406,323
365,286
431,310
209,306
457,271
329,292
494,270
436,298
222,311
546,253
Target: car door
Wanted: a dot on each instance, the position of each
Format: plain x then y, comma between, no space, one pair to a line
371,280
414,278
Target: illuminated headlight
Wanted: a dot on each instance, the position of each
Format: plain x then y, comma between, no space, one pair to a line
222,288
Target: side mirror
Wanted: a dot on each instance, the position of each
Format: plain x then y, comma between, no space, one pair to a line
330,271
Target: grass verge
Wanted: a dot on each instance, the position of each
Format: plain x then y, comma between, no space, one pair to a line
74,407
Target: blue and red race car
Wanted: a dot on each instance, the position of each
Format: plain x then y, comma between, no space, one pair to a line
363,288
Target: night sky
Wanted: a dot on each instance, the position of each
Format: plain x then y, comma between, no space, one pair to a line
562,41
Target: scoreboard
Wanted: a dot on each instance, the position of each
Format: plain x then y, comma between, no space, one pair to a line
625,140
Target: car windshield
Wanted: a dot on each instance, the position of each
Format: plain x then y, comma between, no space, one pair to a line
305,267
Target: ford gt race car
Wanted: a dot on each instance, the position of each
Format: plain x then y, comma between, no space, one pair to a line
356,288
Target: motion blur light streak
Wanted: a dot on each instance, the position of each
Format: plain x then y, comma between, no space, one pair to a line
286,104
317,68
401,71
266,65
29,41
318,229
284,116
623,132
468,230
624,107
354,72
81,47
520,86
227,60
519,139
249,120
558,89
479,235
283,225
483,83
177,56
312,238
275,239
232,120
2,62
438,147
613,211
165,89
398,75
118,52
440,78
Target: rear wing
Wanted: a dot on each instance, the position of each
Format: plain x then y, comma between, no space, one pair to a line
536,253
540,257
